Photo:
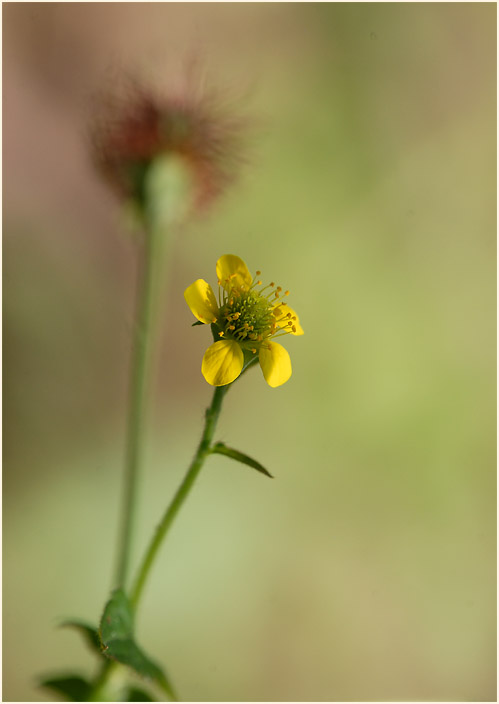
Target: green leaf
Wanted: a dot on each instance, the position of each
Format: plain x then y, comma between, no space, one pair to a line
139,695
89,633
117,619
221,449
116,633
198,322
73,687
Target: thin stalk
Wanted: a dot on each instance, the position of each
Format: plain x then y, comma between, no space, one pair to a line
152,261
101,682
183,491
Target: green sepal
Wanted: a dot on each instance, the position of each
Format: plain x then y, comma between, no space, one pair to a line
198,322
249,360
215,330
116,634
90,633
73,687
221,449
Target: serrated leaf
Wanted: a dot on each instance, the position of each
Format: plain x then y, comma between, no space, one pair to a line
139,695
73,687
89,633
221,449
116,633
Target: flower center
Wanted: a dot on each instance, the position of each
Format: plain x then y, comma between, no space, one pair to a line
251,316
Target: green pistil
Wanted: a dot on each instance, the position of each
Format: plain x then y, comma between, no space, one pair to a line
247,317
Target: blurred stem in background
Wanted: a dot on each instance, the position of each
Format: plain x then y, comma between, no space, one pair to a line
145,324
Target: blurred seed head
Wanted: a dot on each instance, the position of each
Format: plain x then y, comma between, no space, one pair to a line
136,125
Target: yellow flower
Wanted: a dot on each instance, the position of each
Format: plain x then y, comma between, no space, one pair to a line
246,318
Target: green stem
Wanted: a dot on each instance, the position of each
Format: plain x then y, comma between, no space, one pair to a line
100,685
202,453
143,343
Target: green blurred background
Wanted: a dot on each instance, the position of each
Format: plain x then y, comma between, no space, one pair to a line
367,569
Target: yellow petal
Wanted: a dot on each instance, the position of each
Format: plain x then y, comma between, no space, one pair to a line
232,271
283,311
275,364
222,362
201,300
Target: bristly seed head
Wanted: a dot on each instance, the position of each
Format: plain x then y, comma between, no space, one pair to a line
132,130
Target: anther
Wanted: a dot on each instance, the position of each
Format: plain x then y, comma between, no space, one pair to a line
254,351
279,288
293,328
272,284
286,293
258,273
221,333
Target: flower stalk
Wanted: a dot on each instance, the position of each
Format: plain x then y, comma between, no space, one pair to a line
204,449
